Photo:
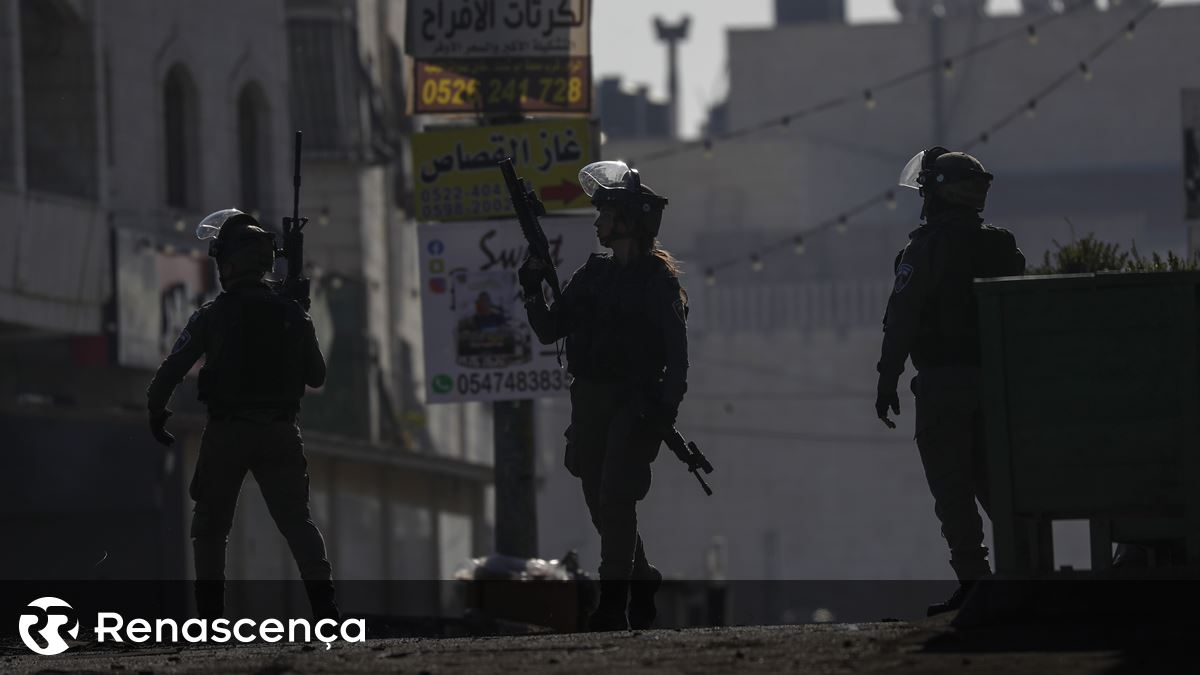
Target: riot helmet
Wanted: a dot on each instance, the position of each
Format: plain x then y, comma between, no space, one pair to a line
613,183
951,178
239,244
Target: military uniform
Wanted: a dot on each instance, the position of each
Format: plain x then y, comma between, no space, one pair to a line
932,316
261,352
626,345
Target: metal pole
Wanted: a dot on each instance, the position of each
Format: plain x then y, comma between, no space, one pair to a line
516,499
938,49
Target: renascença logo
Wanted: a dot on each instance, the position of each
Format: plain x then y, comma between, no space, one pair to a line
48,618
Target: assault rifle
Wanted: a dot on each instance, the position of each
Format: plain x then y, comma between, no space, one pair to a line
295,284
528,207
689,454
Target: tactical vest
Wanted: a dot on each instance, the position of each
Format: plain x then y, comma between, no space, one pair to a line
950,318
614,335
254,358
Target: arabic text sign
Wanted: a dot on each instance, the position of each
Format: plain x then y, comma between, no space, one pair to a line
503,85
498,28
478,343
457,174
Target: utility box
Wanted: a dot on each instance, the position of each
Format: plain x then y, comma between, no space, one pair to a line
1091,398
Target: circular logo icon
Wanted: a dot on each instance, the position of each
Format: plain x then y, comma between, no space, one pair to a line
436,247
42,627
442,384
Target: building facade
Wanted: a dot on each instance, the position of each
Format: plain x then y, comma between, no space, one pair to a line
122,124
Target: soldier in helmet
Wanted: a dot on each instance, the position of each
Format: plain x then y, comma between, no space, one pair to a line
260,352
624,319
932,319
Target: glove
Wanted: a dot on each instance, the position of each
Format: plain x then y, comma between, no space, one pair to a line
158,427
530,275
886,397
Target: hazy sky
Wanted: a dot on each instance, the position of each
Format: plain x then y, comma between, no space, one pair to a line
623,42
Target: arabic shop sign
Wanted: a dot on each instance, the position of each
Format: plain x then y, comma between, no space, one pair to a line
503,85
456,174
440,29
478,343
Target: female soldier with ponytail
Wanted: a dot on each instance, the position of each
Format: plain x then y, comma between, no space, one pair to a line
623,315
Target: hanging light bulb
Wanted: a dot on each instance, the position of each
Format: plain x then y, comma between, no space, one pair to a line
1129,29
708,151
842,225
756,262
869,100
179,225
1032,34
798,245
1031,109
1085,71
891,200
323,217
197,253
948,68
168,249
710,278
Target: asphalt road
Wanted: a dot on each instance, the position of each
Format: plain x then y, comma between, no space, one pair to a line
928,646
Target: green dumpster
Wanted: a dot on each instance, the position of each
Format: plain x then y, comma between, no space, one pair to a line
1092,412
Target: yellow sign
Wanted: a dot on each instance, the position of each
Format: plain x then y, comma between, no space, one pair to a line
457,174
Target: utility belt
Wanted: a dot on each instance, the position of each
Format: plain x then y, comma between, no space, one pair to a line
256,415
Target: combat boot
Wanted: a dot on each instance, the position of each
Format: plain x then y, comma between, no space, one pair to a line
954,602
210,599
968,571
321,599
642,610
610,613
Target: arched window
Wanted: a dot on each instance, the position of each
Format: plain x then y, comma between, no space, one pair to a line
180,128
253,115
59,88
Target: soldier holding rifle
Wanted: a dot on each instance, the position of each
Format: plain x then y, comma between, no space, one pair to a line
623,316
260,352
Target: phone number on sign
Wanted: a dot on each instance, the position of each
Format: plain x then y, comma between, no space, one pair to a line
507,381
459,202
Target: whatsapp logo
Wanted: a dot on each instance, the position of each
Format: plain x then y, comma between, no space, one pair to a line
443,384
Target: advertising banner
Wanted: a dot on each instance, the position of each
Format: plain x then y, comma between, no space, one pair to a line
502,29
157,291
478,343
526,84
457,177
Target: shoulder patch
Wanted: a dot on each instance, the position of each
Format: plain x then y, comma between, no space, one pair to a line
681,310
904,274
181,341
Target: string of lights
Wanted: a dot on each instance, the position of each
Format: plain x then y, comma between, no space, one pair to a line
867,94
1027,108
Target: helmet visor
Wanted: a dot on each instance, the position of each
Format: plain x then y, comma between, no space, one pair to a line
608,174
210,227
908,176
